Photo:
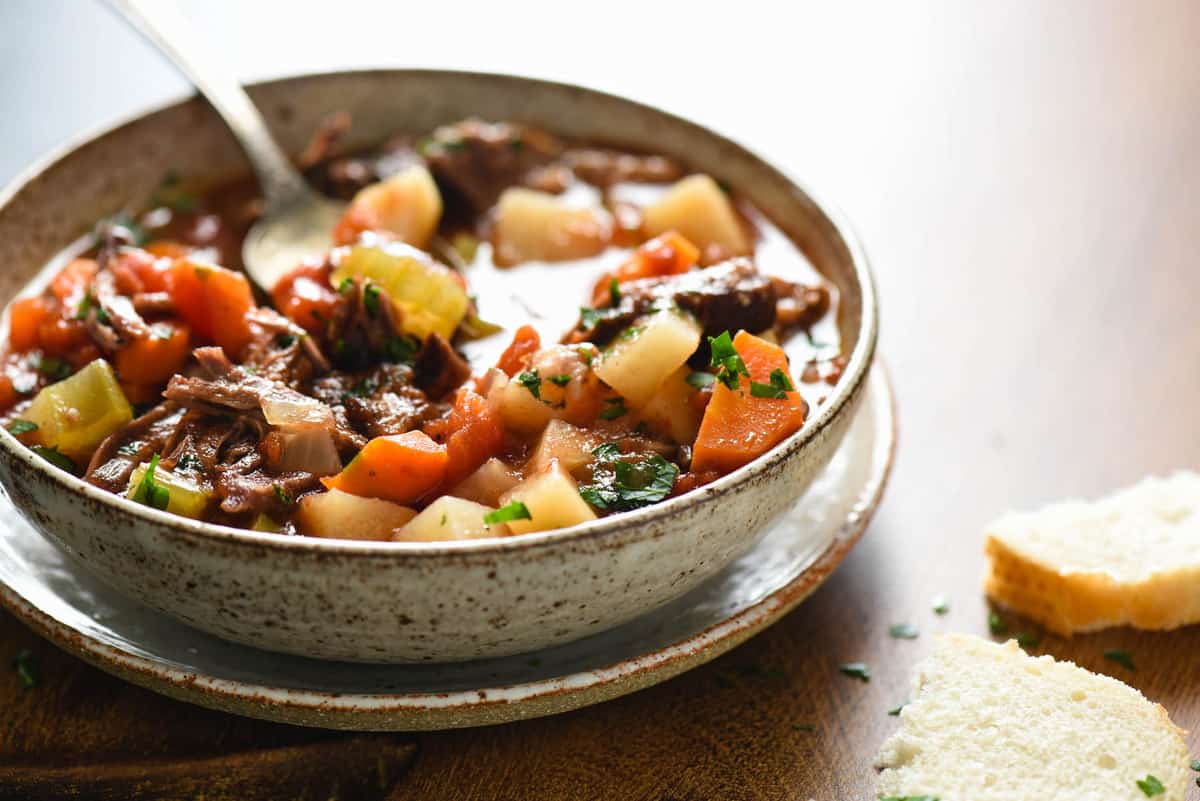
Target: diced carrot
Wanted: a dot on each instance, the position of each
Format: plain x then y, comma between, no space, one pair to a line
400,468
213,301
168,248
738,427
83,355
25,317
152,268
71,283
8,393
358,217
62,337
667,254
474,435
152,360
305,297
516,356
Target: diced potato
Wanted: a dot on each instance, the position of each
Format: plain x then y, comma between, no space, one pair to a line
406,205
266,523
565,389
671,411
187,498
487,484
341,516
644,355
431,297
536,226
570,445
77,413
520,410
450,518
697,208
553,500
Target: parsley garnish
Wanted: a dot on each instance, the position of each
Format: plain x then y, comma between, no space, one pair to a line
904,631
613,408
585,353
559,380
54,369
532,382
130,448
364,387
996,624
371,300
778,389
856,670
282,495
1196,764
55,457
619,485
87,304
941,604
18,427
701,380
614,292
189,462
149,491
285,340
631,332
346,285
589,318
1028,639
402,349
726,361
1123,658
1151,786
513,511
26,665
895,711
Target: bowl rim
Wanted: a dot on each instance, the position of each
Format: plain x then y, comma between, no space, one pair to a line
853,375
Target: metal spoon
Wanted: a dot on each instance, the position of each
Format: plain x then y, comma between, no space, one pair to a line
296,220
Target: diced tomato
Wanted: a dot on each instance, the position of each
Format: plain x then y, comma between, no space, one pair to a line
152,269
213,301
667,254
472,434
71,283
516,356
305,297
25,317
152,360
401,468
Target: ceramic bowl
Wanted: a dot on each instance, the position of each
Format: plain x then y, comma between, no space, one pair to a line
405,602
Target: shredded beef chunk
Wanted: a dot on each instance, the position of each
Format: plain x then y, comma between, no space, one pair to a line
378,402
726,297
799,306
125,449
364,329
479,160
440,370
604,168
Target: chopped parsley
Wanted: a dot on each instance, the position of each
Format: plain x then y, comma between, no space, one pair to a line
585,353
55,457
856,670
402,349
1123,658
904,631
631,332
87,304
364,387
443,521
701,380
778,389
613,408
895,711
346,285
620,485
371,300
996,624
1151,785
531,381
1028,639
130,448
18,427
189,462
1196,764
614,292
285,340
726,361
149,491
54,369
941,604
559,380
589,318
26,665
513,511
282,495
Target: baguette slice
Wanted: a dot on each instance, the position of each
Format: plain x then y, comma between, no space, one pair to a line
1132,558
989,723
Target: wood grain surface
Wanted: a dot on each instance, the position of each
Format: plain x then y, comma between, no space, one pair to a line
1026,179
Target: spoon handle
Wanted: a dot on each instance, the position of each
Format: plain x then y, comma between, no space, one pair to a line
160,23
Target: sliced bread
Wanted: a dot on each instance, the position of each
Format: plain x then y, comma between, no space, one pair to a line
989,723
1132,558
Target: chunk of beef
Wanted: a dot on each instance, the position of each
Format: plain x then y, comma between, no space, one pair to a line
439,368
123,450
153,304
282,351
378,402
479,160
603,168
364,326
726,297
799,306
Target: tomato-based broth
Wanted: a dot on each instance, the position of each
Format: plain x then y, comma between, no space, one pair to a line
510,334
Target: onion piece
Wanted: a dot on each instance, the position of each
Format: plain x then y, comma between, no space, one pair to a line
309,449
293,410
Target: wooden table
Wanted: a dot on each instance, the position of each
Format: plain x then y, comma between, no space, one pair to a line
1027,180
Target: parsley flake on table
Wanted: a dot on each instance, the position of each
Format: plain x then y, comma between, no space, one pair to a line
513,511
1196,764
778,389
726,361
894,711
856,670
1151,785
904,631
149,491
941,604
1123,658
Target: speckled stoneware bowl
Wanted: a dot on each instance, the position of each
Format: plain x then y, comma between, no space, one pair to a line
402,602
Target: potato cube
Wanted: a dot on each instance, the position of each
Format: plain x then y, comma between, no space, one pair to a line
697,208
406,205
536,226
487,484
552,498
642,356
77,413
569,445
450,518
340,515
671,411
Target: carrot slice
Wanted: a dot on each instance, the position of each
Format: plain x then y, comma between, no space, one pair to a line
25,317
152,360
72,281
669,253
516,356
475,435
213,301
63,337
400,468
738,427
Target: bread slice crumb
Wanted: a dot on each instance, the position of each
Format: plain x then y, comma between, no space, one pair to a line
989,723
1131,558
